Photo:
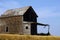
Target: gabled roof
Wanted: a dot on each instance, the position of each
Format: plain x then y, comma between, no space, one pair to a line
17,11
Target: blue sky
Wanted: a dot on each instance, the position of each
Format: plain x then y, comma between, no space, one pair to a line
47,10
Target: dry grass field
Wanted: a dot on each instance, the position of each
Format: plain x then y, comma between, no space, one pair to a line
27,37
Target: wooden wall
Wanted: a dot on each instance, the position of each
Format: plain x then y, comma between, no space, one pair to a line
14,24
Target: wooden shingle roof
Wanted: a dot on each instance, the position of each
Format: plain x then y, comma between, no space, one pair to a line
17,11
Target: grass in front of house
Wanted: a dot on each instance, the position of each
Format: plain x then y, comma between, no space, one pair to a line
27,37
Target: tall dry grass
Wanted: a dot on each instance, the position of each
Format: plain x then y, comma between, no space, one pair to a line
27,37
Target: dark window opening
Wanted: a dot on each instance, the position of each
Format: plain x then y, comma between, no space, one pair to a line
6,29
26,27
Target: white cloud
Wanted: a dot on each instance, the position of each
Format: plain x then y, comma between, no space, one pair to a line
9,4
5,5
1,10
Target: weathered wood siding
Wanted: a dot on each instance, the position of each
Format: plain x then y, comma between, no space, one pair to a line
13,23
28,30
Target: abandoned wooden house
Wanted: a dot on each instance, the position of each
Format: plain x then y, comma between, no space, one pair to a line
19,21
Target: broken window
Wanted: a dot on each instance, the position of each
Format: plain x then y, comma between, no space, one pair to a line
6,29
26,27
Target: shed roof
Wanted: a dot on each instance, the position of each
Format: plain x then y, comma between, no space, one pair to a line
36,23
16,11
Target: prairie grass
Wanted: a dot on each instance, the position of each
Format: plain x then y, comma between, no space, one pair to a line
27,37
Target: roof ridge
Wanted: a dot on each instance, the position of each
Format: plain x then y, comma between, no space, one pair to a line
16,11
